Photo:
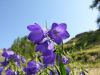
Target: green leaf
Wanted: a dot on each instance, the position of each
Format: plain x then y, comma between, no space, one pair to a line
62,69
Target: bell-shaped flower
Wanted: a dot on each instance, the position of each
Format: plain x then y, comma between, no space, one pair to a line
5,62
46,45
49,57
10,72
68,71
7,53
58,32
32,68
65,60
36,35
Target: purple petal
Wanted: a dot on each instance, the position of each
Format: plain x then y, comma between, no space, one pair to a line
16,58
54,25
58,32
64,35
42,46
55,37
5,62
7,54
52,73
45,48
51,46
9,72
61,28
47,52
18,63
34,27
40,65
1,69
36,36
65,60
31,64
68,70
50,59
32,68
58,40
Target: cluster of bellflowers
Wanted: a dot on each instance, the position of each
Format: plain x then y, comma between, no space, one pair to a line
50,58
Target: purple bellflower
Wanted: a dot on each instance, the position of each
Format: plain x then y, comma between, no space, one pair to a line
49,57
17,59
42,47
58,32
5,62
52,73
1,69
10,72
65,60
32,68
45,48
68,70
7,54
47,52
36,35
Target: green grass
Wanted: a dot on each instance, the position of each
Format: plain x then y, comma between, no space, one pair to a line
1,58
92,56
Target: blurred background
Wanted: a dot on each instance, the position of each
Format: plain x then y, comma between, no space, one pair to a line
81,16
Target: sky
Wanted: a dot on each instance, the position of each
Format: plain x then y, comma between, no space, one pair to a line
16,15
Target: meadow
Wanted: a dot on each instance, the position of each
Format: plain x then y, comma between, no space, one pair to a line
82,51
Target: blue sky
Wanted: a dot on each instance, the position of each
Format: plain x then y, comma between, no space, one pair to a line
15,15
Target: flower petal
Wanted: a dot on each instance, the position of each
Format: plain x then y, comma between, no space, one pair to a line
47,52
68,70
56,38
31,64
61,28
36,36
64,35
63,25
1,69
65,60
34,27
50,59
42,46
54,25
7,53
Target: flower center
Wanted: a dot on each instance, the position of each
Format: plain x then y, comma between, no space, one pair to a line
55,32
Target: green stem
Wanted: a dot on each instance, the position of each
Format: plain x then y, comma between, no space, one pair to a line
63,51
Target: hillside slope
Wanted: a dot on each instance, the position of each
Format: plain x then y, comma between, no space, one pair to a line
84,40
85,47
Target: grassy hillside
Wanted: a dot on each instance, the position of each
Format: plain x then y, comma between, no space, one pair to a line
85,47
84,40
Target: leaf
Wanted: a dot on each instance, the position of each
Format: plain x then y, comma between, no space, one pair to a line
62,69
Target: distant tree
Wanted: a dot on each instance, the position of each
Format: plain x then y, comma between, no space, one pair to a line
23,47
96,4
